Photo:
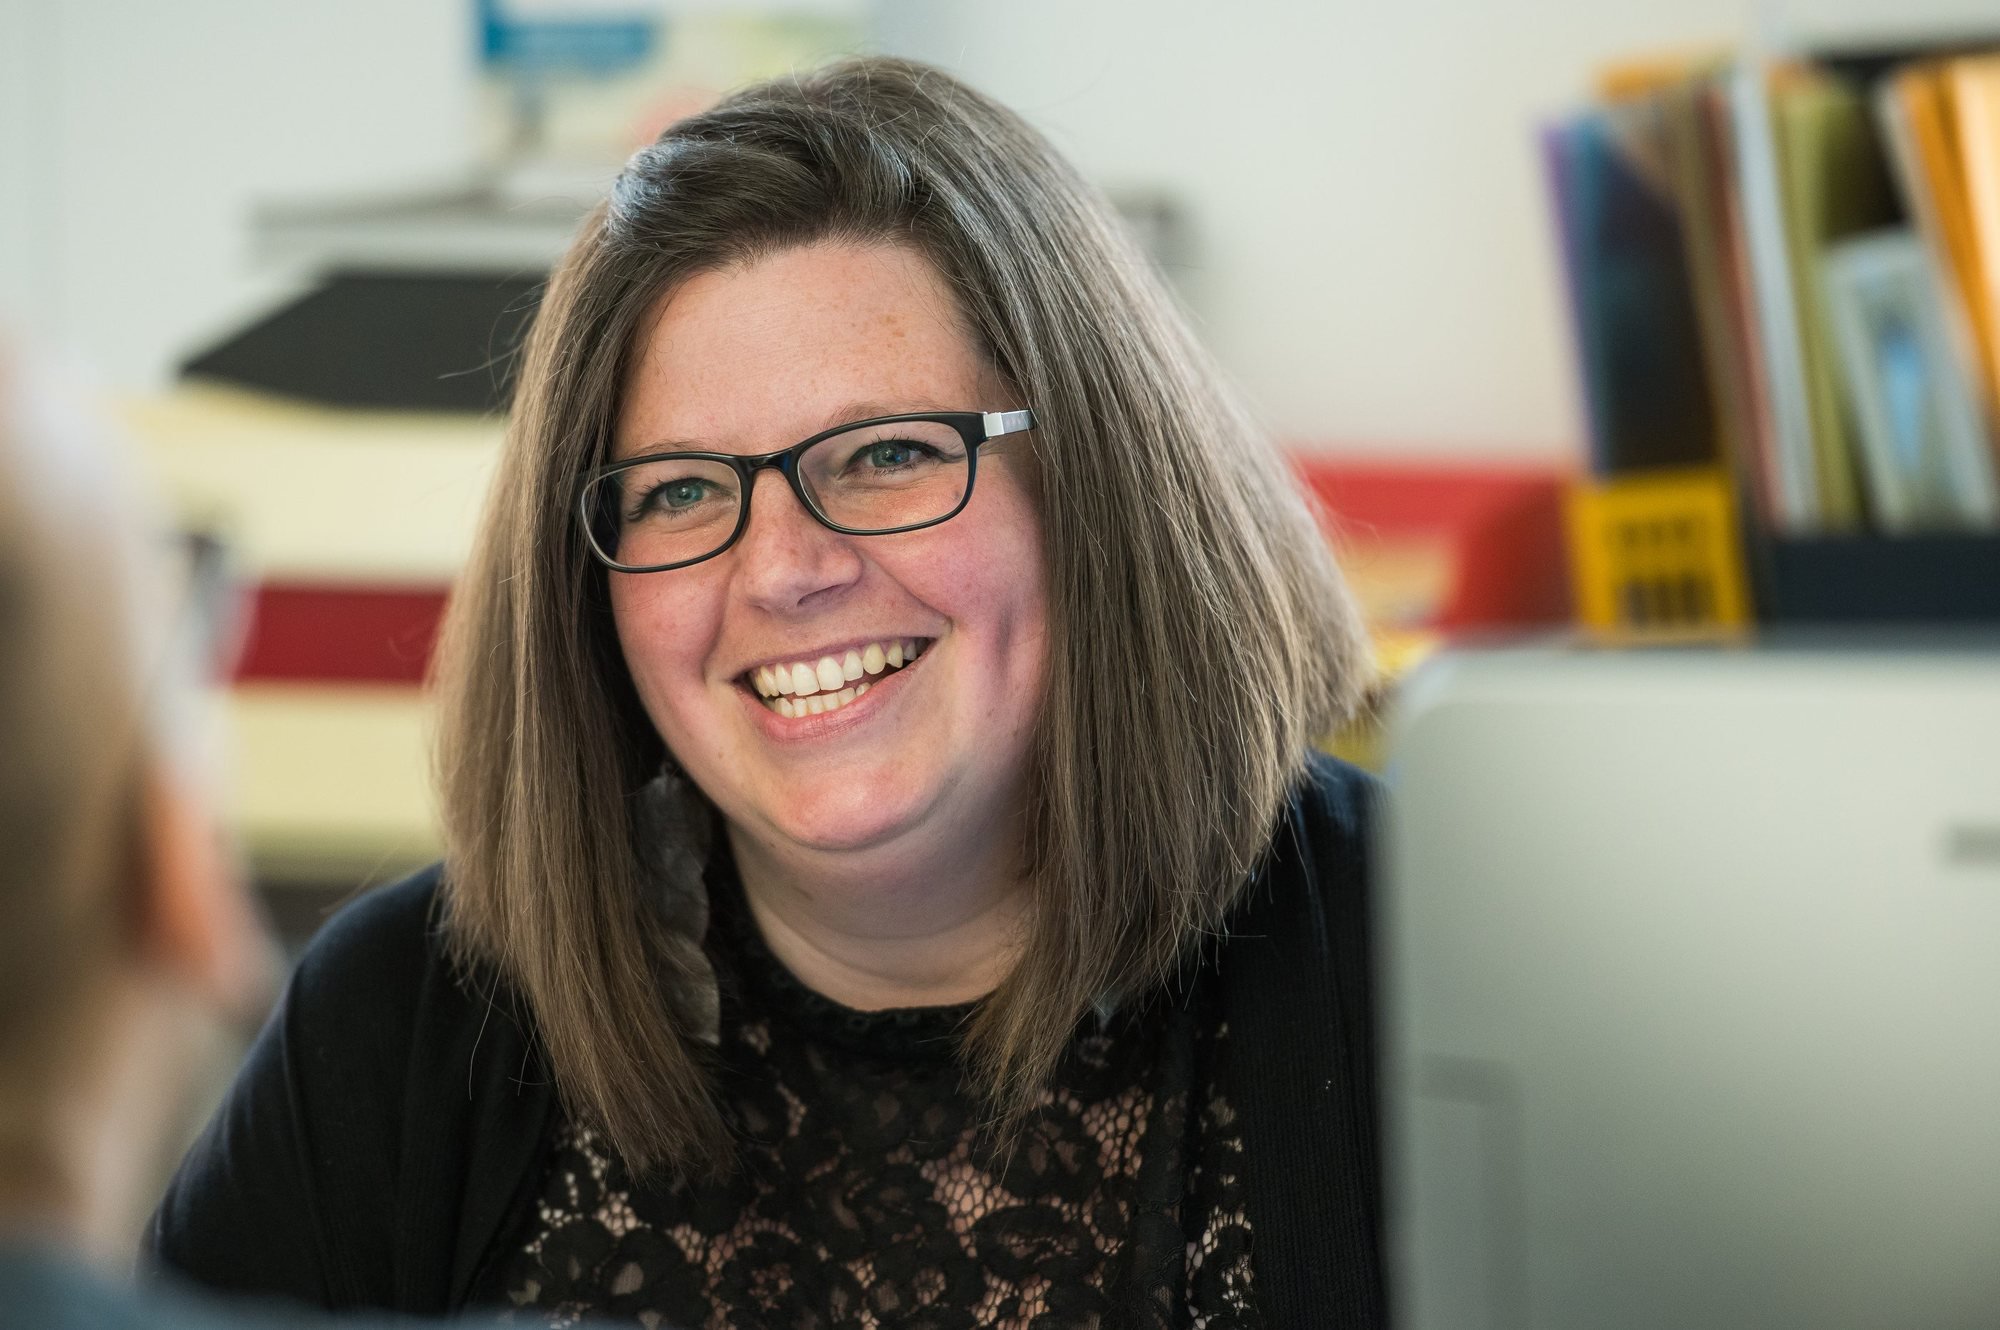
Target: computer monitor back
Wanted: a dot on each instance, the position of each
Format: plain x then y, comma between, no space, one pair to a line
1691,989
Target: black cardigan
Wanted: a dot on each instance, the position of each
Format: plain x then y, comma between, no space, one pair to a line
387,1130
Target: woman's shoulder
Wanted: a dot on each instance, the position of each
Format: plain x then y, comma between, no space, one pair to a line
1322,843
390,925
380,979
375,955
1308,903
378,1129
1339,797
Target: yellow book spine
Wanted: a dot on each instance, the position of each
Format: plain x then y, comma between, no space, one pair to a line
1925,103
1972,89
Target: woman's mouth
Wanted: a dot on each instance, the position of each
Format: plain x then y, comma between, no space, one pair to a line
815,687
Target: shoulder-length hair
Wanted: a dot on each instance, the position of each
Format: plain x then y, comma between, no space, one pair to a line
1201,635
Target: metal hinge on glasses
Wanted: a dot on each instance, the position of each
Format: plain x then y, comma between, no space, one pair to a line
1006,422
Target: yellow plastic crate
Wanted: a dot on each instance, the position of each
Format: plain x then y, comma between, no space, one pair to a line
1658,555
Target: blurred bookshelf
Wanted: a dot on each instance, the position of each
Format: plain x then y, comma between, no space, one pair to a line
1784,284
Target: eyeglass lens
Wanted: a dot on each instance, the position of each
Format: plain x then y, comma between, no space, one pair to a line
872,478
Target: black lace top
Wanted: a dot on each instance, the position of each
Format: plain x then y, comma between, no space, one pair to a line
866,1194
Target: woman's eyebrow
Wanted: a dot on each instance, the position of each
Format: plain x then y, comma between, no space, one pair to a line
845,414
652,446
869,408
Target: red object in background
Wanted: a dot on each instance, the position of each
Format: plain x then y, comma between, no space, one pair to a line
322,632
1503,526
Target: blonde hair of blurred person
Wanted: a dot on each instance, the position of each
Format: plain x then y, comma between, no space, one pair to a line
119,914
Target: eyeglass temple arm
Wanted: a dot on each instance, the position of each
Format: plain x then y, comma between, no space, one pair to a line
997,423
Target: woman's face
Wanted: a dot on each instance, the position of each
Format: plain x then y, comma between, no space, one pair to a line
929,759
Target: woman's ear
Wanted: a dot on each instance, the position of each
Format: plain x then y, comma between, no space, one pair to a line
194,921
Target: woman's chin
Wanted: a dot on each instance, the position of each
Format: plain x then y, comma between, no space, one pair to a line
847,817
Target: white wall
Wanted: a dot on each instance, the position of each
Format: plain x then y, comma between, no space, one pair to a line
139,134
24,98
1371,255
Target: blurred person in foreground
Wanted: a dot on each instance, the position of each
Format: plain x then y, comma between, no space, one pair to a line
120,922
888,880
123,928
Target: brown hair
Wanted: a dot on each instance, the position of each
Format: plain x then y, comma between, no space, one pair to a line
1212,637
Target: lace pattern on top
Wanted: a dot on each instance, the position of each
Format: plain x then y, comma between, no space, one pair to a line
866,1193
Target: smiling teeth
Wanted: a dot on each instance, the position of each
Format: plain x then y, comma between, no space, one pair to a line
830,680
819,704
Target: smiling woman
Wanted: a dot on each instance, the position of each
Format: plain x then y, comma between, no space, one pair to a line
892,799
887,880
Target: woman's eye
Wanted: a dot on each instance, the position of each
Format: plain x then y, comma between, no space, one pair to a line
673,496
889,452
892,455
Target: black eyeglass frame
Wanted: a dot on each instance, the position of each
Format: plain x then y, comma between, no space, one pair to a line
973,427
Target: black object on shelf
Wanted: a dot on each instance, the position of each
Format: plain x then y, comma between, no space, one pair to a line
386,340
1938,578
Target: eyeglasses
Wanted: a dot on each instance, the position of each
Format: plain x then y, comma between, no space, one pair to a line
873,477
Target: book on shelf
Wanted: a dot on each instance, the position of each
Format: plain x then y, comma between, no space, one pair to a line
1792,269
1915,414
1772,296
1697,114
1913,106
1972,98
1639,350
1835,185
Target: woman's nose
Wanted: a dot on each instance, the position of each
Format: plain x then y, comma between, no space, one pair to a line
785,556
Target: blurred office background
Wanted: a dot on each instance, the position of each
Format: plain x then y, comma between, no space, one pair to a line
1368,253
1349,198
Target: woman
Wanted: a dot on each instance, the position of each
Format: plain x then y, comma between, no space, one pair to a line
889,891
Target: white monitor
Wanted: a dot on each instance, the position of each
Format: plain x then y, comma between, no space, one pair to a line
1691,989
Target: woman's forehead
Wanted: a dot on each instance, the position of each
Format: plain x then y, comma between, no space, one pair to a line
759,355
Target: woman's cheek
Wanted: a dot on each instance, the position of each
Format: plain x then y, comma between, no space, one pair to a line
666,633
